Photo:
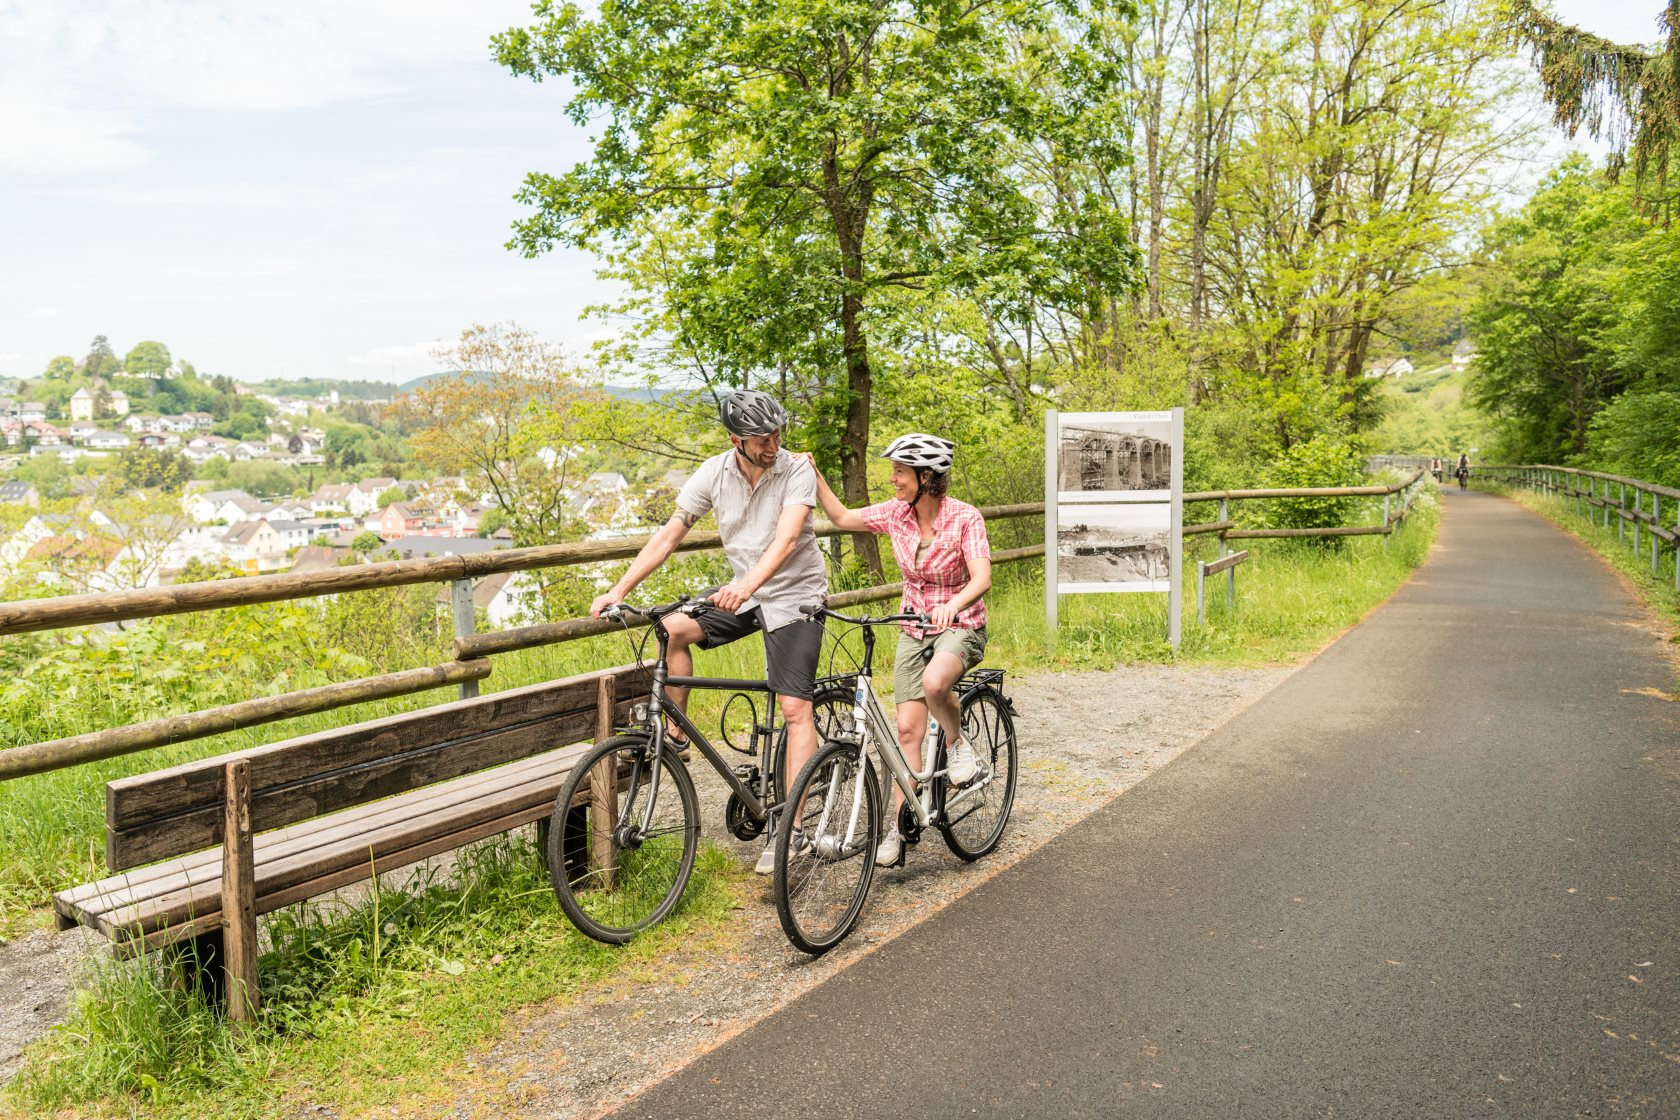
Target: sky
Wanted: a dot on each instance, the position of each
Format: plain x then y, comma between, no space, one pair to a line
313,188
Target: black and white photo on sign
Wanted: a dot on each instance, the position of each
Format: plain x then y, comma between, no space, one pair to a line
1113,548
1114,456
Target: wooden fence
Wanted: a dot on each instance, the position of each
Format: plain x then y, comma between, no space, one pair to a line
472,650
1591,494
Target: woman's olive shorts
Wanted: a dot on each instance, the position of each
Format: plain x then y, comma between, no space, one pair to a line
967,646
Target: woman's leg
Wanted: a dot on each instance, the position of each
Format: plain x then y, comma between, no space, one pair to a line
938,680
912,729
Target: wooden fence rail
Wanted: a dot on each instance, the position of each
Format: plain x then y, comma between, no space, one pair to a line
471,649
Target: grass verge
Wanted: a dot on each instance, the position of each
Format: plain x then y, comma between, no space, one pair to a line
365,1006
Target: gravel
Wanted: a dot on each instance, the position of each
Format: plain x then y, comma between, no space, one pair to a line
1084,739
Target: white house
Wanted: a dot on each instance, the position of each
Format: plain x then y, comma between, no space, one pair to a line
1464,353
363,498
205,506
243,508
106,441
1389,367
81,404
330,497
255,546
293,534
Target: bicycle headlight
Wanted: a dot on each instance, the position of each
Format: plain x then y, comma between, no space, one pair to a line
639,712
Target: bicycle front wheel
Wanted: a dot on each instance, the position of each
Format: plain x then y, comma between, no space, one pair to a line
619,862
826,861
974,818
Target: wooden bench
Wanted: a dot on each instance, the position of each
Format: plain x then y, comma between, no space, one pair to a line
312,814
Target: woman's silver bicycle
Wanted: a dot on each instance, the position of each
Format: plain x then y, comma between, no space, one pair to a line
826,861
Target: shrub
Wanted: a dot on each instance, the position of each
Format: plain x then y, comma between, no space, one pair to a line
1322,461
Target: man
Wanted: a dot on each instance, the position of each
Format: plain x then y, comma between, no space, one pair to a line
763,497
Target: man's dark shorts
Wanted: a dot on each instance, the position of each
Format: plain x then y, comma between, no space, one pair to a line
791,652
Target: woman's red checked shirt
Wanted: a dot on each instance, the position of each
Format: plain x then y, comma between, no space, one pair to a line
959,535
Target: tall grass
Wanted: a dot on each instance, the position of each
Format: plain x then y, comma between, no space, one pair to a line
362,1005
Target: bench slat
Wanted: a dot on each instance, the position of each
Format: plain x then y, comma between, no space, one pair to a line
351,844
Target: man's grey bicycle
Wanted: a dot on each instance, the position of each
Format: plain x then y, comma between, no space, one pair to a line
826,861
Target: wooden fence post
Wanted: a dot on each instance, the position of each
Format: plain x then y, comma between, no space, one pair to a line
603,786
239,917
461,599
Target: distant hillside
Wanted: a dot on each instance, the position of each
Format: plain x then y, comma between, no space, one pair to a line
312,387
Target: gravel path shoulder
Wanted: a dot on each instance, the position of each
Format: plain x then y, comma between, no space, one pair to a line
1084,739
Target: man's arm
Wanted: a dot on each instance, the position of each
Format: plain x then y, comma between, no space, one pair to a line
788,526
655,552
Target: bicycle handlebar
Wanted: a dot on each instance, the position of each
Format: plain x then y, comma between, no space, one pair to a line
818,610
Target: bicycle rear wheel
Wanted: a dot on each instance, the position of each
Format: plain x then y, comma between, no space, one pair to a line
826,861
974,818
616,868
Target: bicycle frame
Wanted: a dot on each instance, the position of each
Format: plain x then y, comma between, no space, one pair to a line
881,732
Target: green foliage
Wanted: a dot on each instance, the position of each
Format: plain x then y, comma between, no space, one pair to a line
146,469
363,1004
1543,321
1634,436
264,479
391,495
367,542
61,368
773,181
101,360
1323,461
148,359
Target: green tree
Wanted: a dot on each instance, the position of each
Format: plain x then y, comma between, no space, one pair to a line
1626,96
148,359
771,177
61,368
392,494
509,429
1549,314
141,468
101,360
367,542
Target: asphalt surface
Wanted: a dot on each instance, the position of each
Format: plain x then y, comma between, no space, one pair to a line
1432,874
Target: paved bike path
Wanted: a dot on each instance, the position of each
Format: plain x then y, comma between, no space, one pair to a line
1435,873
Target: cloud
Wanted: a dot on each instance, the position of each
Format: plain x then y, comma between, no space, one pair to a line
83,74
46,313
42,134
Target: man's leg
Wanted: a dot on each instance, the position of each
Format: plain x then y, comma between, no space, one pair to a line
685,632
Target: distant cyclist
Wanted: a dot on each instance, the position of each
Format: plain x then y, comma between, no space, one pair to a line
763,497
941,548
1462,471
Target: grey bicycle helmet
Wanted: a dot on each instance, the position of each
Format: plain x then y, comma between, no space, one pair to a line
922,451
750,412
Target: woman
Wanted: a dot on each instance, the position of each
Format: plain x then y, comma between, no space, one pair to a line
941,548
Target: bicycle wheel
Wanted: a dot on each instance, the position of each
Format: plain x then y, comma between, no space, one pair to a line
974,818
821,882
619,873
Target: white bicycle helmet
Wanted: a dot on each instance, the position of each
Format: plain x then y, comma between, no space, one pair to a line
922,451
750,412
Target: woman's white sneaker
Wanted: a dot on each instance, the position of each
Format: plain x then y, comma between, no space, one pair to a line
890,852
960,767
